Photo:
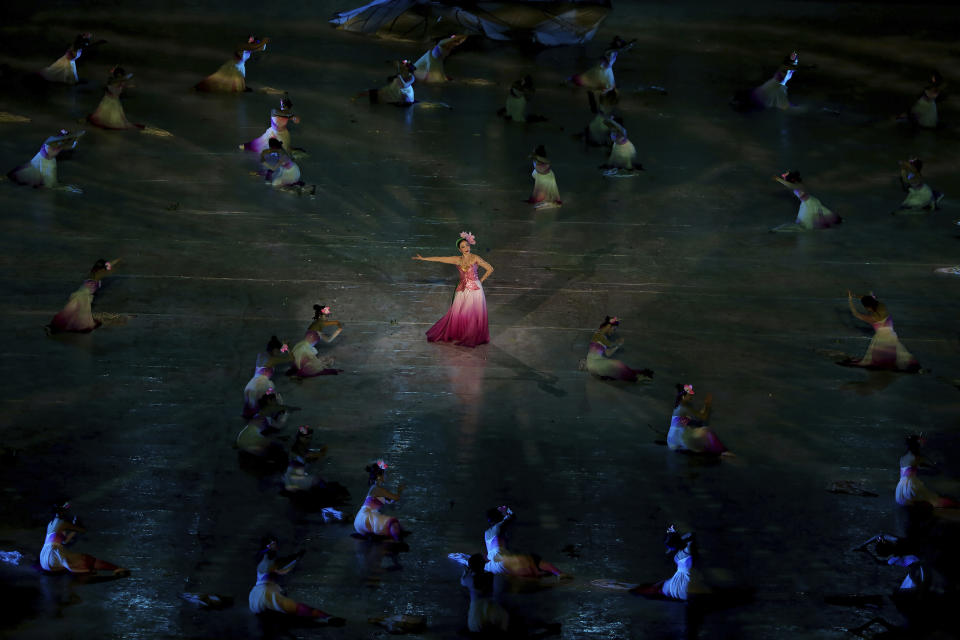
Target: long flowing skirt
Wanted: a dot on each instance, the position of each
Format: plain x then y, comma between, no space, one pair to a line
924,112
109,114
53,557
39,172
911,491
263,142
886,352
813,215
270,597
63,70
622,155
611,368
919,198
369,521
771,94
514,564
544,188
77,315
466,321
596,77
285,176
486,614
516,108
227,79
429,68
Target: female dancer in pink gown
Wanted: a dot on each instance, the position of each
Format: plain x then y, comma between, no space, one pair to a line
466,321
885,350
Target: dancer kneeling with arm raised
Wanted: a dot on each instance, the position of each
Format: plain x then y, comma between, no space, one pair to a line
501,560
687,430
369,520
602,346
61,532
687,581
885,350
267,595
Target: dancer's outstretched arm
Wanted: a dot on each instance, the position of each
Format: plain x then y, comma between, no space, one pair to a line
444,259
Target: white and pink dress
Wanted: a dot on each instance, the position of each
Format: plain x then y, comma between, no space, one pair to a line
109,113
597,78
77,315
545,190
688,433
502,561
64,69
263,142
306,360
911,490
811,215
885,350
41,171
369,520
53,556
603,366
466,321
229,78
685,581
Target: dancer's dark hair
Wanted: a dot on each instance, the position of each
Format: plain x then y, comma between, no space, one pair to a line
869,301
609,320
274,343
494,515
792,176
374,472
99,265
275,143
540,151
675,541
916,163
317,311
264,543
913,443
680,393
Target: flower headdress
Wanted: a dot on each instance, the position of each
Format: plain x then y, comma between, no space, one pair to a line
325,311
107,266
285,348
382,465
305,429
614,320
468,236
688,389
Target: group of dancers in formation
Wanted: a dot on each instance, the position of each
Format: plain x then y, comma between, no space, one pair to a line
464,324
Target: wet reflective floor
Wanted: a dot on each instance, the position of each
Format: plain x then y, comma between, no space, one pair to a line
135,422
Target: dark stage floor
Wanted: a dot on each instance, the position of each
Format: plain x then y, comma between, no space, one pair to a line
135,422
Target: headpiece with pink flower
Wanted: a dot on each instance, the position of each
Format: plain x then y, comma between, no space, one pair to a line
305,429
468,236
382,465
688,389
325,311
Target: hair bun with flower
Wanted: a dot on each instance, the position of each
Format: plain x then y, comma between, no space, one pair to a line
325,311
107,266
382,465
468,236
614,320
688,389
304,429
284,348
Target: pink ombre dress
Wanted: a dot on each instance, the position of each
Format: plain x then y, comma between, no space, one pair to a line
466,321
885,350
369,520
263,142
77,315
